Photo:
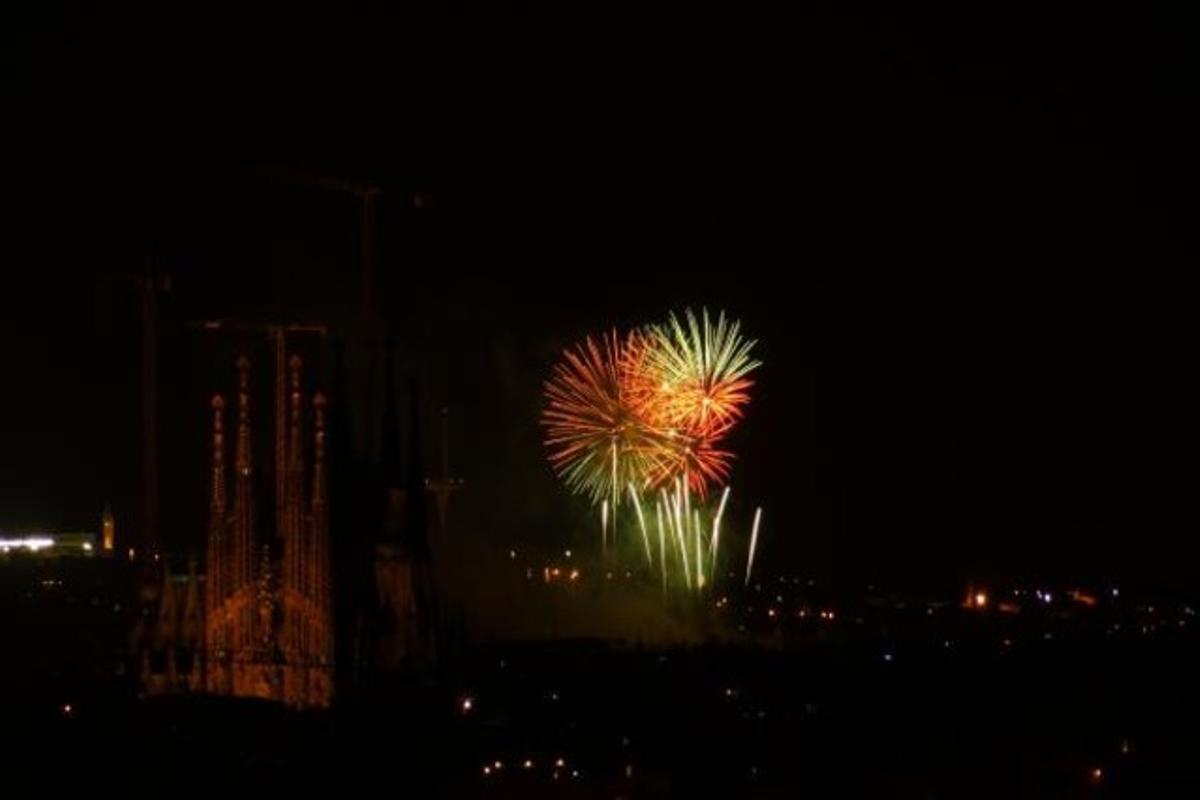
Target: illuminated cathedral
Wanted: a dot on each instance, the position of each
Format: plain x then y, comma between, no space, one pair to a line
268,598
260,622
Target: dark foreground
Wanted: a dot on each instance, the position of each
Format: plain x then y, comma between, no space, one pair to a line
977,717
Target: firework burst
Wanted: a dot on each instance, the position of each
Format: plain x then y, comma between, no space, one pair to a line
597,442
644,415
700,370
648,407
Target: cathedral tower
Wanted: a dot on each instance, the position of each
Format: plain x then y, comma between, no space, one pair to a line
108,531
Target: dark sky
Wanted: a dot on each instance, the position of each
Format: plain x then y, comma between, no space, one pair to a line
959,240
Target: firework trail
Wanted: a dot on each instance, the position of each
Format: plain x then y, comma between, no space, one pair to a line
753,543
662,546
637,505
604,525
716,533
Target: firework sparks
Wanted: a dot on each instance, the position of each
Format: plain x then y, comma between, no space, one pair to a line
597,443
648,407
701,370
647,413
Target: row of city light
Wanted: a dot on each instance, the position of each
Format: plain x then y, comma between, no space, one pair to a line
31,543
37,542
497,766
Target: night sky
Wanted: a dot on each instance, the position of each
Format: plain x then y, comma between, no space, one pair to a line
959,242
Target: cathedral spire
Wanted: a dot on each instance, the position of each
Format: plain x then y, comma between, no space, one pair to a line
108,530
291,533
320,517
215,591
295,442
216,586
242,550
217,501
244,460
319,488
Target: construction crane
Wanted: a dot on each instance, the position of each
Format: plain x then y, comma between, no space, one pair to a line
150,284
368,195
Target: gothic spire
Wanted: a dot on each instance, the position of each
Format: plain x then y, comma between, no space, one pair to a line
244,461
292,533
320,553
243,534
295,442
216,509
217,501
319,488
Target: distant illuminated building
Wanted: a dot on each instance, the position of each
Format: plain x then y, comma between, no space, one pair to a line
259,622
976,599
48,545
25,544
108,531
1083,598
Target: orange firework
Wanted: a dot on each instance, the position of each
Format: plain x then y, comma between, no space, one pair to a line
645,409
597,442
694,458
701,372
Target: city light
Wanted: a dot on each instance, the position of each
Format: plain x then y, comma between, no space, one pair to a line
1083,598
31,543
